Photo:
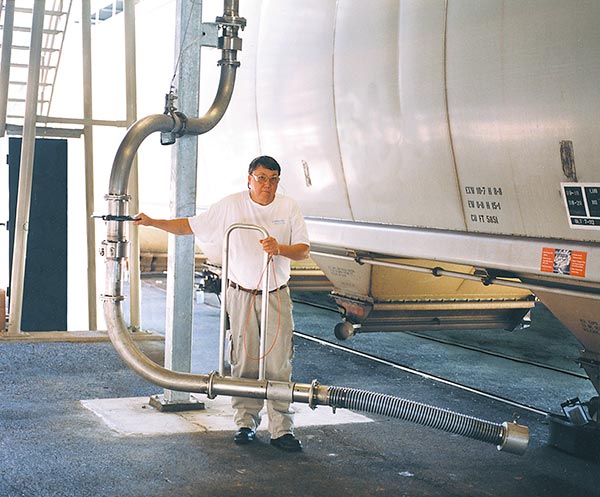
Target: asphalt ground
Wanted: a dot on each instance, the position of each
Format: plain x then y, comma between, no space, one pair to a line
52,445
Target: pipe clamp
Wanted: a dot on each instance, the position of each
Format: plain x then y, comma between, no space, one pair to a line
117,197
111,298
114,250
210,393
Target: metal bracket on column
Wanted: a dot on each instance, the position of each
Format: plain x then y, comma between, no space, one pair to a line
210,35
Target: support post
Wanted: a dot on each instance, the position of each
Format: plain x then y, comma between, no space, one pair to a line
180,276
26,171
135,291
88,141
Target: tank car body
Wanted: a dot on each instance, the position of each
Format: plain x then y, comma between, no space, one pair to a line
456,135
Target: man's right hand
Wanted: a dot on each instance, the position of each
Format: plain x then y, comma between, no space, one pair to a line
179,226
143,220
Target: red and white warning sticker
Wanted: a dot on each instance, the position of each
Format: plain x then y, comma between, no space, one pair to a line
563,261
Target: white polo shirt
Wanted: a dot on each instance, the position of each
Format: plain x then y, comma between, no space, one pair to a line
282,219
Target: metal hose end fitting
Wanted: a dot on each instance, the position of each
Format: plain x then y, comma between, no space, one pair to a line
516,438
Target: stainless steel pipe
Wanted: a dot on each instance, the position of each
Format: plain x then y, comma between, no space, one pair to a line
114,248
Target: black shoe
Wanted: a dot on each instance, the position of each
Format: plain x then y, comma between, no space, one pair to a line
244,436
287,442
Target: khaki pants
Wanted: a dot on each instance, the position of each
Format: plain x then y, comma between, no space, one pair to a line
244,311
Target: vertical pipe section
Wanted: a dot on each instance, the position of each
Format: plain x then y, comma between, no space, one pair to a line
26,171
7,36
88,140
135,297
180,275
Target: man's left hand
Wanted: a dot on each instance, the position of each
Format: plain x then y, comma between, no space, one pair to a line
270,246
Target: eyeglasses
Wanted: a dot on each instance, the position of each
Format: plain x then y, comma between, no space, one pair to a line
262,179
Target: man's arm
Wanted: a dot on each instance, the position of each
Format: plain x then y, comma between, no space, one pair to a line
296,252
179,226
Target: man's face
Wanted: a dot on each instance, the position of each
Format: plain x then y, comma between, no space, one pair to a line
263,184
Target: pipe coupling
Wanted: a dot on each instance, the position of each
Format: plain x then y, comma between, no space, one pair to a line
179,120
279,390
112,298
114,249
231,21
229,42
117,197
210,385
312,394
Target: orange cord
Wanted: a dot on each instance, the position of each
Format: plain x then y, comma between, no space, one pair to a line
251,306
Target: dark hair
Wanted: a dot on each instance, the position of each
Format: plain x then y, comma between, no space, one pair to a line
266,162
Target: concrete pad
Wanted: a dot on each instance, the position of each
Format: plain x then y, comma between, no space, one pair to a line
135,416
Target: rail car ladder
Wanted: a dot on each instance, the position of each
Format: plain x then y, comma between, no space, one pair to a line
16,22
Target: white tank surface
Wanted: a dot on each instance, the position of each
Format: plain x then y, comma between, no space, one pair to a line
456,132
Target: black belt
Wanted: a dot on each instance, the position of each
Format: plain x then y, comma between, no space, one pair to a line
255,292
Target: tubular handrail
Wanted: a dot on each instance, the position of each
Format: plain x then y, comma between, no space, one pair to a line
264,303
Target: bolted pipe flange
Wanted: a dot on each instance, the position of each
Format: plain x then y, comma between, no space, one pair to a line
312,394
231,21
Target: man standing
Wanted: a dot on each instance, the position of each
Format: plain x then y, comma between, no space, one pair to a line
287,240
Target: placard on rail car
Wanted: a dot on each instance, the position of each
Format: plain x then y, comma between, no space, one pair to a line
582,201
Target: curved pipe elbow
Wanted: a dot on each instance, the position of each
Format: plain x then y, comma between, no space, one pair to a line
166,123
136,134
212,117
141,364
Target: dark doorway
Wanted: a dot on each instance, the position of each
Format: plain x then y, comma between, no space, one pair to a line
45,285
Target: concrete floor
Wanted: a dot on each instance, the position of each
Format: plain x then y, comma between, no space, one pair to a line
52,444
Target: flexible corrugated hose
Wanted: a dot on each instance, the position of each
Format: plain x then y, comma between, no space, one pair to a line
423,414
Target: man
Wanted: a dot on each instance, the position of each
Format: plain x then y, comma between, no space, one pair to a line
287,240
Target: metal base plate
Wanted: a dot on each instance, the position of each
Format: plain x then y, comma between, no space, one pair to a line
160,404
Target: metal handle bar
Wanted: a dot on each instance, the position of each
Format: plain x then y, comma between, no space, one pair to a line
265,300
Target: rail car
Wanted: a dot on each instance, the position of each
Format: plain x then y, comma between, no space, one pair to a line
444,154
